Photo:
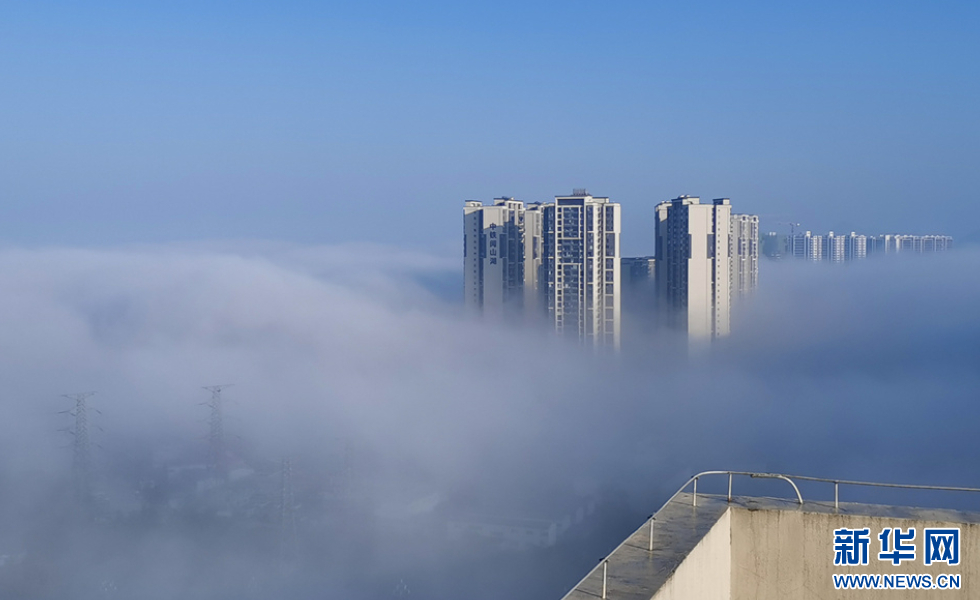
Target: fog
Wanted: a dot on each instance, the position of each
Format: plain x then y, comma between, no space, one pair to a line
399,414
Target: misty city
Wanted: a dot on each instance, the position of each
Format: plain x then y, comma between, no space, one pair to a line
308,300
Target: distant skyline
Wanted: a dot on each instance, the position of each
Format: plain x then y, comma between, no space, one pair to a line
325,123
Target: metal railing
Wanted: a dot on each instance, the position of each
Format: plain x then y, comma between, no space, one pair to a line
693,481
799,497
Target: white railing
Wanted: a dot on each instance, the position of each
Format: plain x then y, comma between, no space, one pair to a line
693,482
799,497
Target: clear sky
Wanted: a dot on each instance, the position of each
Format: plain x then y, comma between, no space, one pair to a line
317,122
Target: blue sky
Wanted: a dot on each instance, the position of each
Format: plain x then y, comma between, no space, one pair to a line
323,123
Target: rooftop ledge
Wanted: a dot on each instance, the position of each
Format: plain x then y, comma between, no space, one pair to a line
725,547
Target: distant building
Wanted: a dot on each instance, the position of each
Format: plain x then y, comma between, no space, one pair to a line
639,271
844,248
807,246
743,251
776,245
581,267
556,262
834,247
900,243
693,268
935,243
639,297
493,257
533,262
855,247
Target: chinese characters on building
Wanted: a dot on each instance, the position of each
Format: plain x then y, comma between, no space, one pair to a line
896,546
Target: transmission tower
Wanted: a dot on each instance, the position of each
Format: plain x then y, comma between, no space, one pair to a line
287,513
216,435
82,455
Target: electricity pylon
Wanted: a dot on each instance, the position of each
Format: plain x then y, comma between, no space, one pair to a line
216,435
82,452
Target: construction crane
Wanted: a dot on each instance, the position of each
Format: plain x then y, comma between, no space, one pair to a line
792,227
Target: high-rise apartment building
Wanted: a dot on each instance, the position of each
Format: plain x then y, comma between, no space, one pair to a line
934,243
556,262
834,247
494,257
693,267
777,246
581,267
899,243
843,248
638,271
533,262
743,252
808,246
855,247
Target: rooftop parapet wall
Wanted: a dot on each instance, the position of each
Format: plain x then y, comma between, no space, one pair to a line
768,549
788,555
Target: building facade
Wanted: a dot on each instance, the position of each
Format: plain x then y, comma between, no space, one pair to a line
693,265
901,243
807,246
493,257
581,268
855,247
834,247
556,262
743,252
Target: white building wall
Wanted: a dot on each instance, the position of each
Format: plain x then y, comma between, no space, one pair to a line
493,264
720,261
706,573
855,247
834,248
693,266
533,260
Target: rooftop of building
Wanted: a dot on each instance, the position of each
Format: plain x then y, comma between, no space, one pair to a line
643,563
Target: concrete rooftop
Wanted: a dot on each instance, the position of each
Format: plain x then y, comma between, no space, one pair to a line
635,573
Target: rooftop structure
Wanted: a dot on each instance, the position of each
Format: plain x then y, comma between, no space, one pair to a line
728,547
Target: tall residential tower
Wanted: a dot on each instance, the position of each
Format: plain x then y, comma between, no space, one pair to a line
581,267
493,257
693,266
556,262
743,252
